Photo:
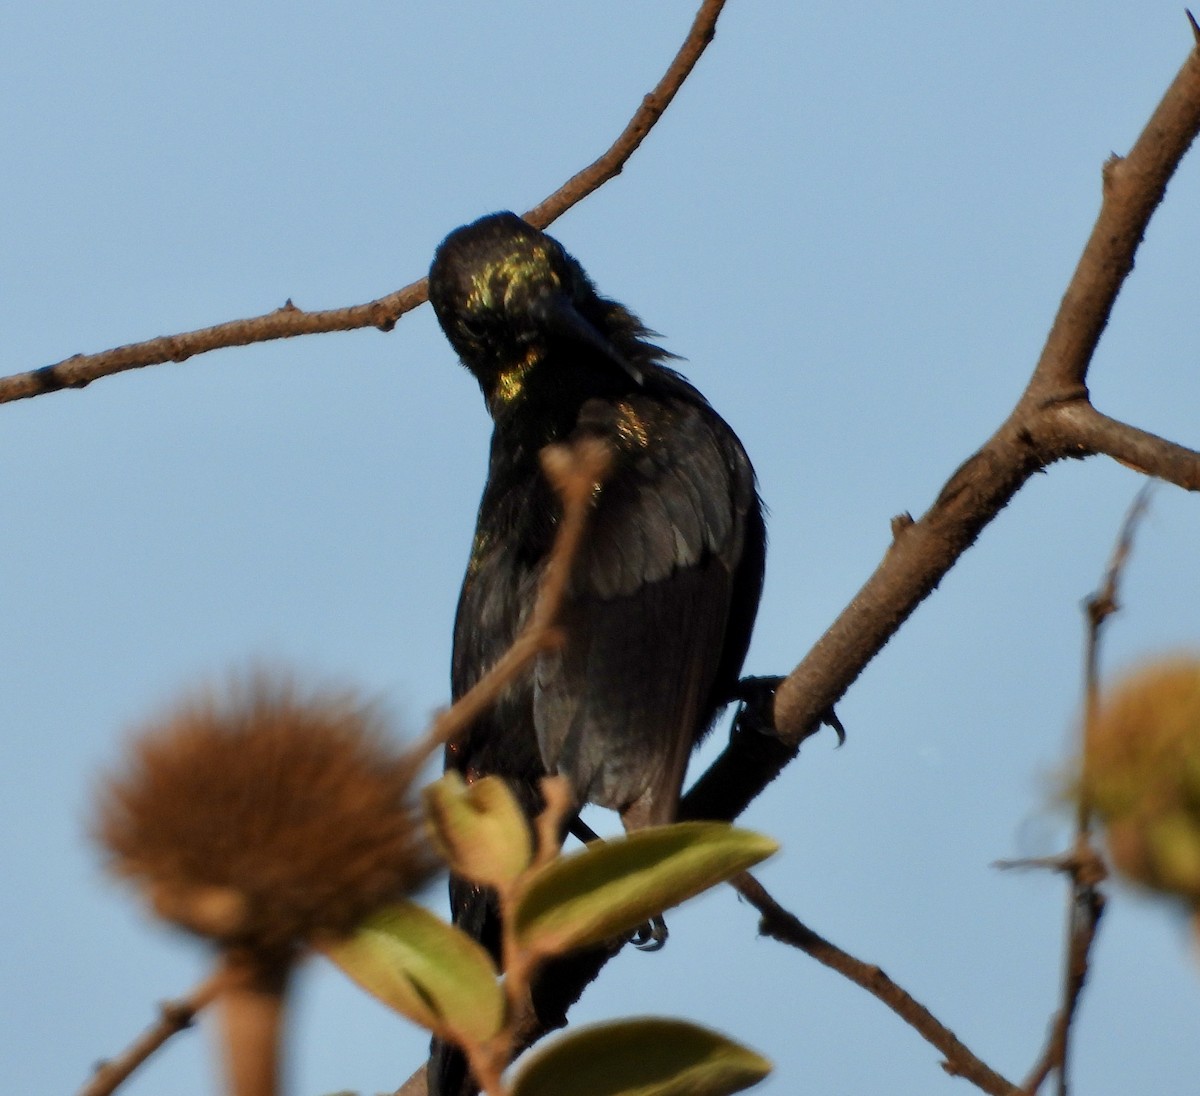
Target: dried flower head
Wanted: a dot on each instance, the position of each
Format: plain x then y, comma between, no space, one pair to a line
1142,775
265,818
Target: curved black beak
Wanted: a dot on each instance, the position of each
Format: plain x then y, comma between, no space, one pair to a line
560,316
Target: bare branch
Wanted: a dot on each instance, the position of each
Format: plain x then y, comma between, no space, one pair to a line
1085,909
417,1084
1085,903
608,166
785,927
174,1016
1133,188
284,323
289,321
1137,449
1103,603
1052,420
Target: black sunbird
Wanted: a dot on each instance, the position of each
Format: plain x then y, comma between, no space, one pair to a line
664,592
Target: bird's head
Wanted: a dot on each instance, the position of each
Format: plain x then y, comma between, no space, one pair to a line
508,296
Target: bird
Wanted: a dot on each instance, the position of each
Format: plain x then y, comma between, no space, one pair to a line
665,588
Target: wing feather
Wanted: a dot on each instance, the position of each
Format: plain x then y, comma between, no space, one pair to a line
619,706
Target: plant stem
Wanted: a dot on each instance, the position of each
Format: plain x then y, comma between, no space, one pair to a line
252,1010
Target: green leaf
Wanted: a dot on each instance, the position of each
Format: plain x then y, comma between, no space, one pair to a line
480,828
641,1057
613,886
426,970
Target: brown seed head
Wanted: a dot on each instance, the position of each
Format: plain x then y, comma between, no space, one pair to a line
1142,775
265,818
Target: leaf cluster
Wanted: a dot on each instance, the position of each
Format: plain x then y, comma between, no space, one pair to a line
550,904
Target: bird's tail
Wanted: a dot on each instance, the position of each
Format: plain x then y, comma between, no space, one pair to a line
474,910
556,987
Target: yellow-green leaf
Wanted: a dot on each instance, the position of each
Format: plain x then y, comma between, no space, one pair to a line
480,828
426,970
641,1057
612,887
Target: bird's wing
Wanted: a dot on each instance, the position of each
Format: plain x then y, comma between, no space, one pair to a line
497,595
620,705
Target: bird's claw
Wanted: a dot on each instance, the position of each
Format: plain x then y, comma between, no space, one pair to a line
830,719
651,935
756,695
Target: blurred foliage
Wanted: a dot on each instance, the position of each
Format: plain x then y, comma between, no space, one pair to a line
440,978
1141,775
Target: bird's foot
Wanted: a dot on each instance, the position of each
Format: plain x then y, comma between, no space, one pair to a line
756,696
651,935
756,699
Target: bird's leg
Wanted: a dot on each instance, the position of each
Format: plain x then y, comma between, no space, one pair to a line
755,697
643,812
581,831
650,936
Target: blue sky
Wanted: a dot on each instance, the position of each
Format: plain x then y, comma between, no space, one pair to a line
855,224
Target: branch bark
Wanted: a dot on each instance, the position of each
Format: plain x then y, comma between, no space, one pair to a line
288,321
785,927
1052,420
1085,902
174,1017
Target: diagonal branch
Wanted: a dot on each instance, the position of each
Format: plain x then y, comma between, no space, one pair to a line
1052,420
785,927
575,472
1134,185
285,322
289,321
174,1017
610,165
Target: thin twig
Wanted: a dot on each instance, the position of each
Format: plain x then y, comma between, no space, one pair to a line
785,927
289,321
1086,905
1085,902
1099,607
611,164
174,1016
575,472
1062,863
